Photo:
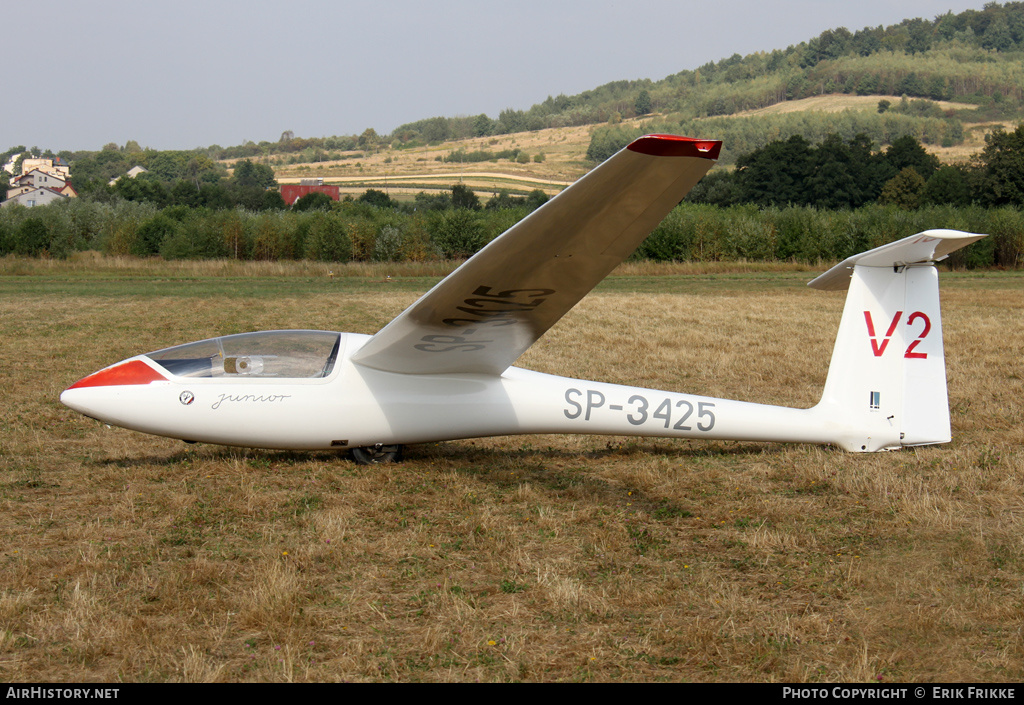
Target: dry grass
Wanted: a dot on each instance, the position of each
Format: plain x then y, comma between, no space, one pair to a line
129,557
838,102
564,151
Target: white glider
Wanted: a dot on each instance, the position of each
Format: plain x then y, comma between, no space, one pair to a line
442,369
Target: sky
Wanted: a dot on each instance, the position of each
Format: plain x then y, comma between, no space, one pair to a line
179,74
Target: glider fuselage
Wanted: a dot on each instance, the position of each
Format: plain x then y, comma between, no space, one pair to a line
356,406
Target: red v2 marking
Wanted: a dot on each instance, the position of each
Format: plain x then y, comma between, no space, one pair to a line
924,334
875,347
879,348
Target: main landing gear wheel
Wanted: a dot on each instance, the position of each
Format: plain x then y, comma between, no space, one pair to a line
377,454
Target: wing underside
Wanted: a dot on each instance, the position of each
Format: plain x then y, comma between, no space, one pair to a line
485,314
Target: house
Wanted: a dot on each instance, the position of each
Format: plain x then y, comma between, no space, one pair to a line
9,166
54,167
132,173
40,183
37,178
35,197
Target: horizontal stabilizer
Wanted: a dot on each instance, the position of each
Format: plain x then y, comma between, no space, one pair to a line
929,246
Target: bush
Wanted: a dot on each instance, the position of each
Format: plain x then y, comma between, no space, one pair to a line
31,238
274,236
314,201
672,240
151,235
388,245
196,238
327,240
457,233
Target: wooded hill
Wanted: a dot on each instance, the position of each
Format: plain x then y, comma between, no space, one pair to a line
975,57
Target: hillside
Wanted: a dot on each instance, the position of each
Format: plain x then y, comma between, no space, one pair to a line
948,81
403,171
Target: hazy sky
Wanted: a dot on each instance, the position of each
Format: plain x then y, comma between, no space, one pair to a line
189,73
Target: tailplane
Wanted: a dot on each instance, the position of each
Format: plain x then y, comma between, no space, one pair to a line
886,385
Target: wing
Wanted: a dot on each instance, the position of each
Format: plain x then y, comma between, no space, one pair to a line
486,313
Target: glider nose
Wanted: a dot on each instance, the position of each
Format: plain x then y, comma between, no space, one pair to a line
98,395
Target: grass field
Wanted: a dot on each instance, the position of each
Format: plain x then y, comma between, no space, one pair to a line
549,558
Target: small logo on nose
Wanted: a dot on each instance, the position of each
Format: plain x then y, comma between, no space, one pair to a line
187,398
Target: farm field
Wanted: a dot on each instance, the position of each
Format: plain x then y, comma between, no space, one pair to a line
538,558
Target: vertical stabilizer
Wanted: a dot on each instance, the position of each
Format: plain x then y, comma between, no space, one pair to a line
886,384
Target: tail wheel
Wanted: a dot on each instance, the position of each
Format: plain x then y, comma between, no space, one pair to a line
377,454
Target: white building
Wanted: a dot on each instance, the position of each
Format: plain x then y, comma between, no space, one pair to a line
35,197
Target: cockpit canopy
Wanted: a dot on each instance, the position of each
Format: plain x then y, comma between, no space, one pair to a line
276,353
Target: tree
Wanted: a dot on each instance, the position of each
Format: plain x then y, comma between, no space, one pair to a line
463,197
718,188
920,39
503,200
327,240
436,129
271,200
947,186
197,166
642,105
151,235
424,201
249,174
482,125
903,190
458,233
905,152
606,141
997,36
369,139
314,201
184,193
535,199
1003,168
845,175
776,174
375,197
510,121
144,187
31,237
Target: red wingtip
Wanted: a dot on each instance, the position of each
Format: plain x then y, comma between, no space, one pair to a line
134,372
676,146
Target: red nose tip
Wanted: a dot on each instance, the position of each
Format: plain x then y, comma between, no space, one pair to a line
134,372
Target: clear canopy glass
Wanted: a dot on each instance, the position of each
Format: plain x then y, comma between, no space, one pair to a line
277,353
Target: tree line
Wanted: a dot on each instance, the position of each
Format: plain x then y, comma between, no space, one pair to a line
355,231
850,173
840,187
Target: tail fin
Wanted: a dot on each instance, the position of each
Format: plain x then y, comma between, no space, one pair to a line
886,384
